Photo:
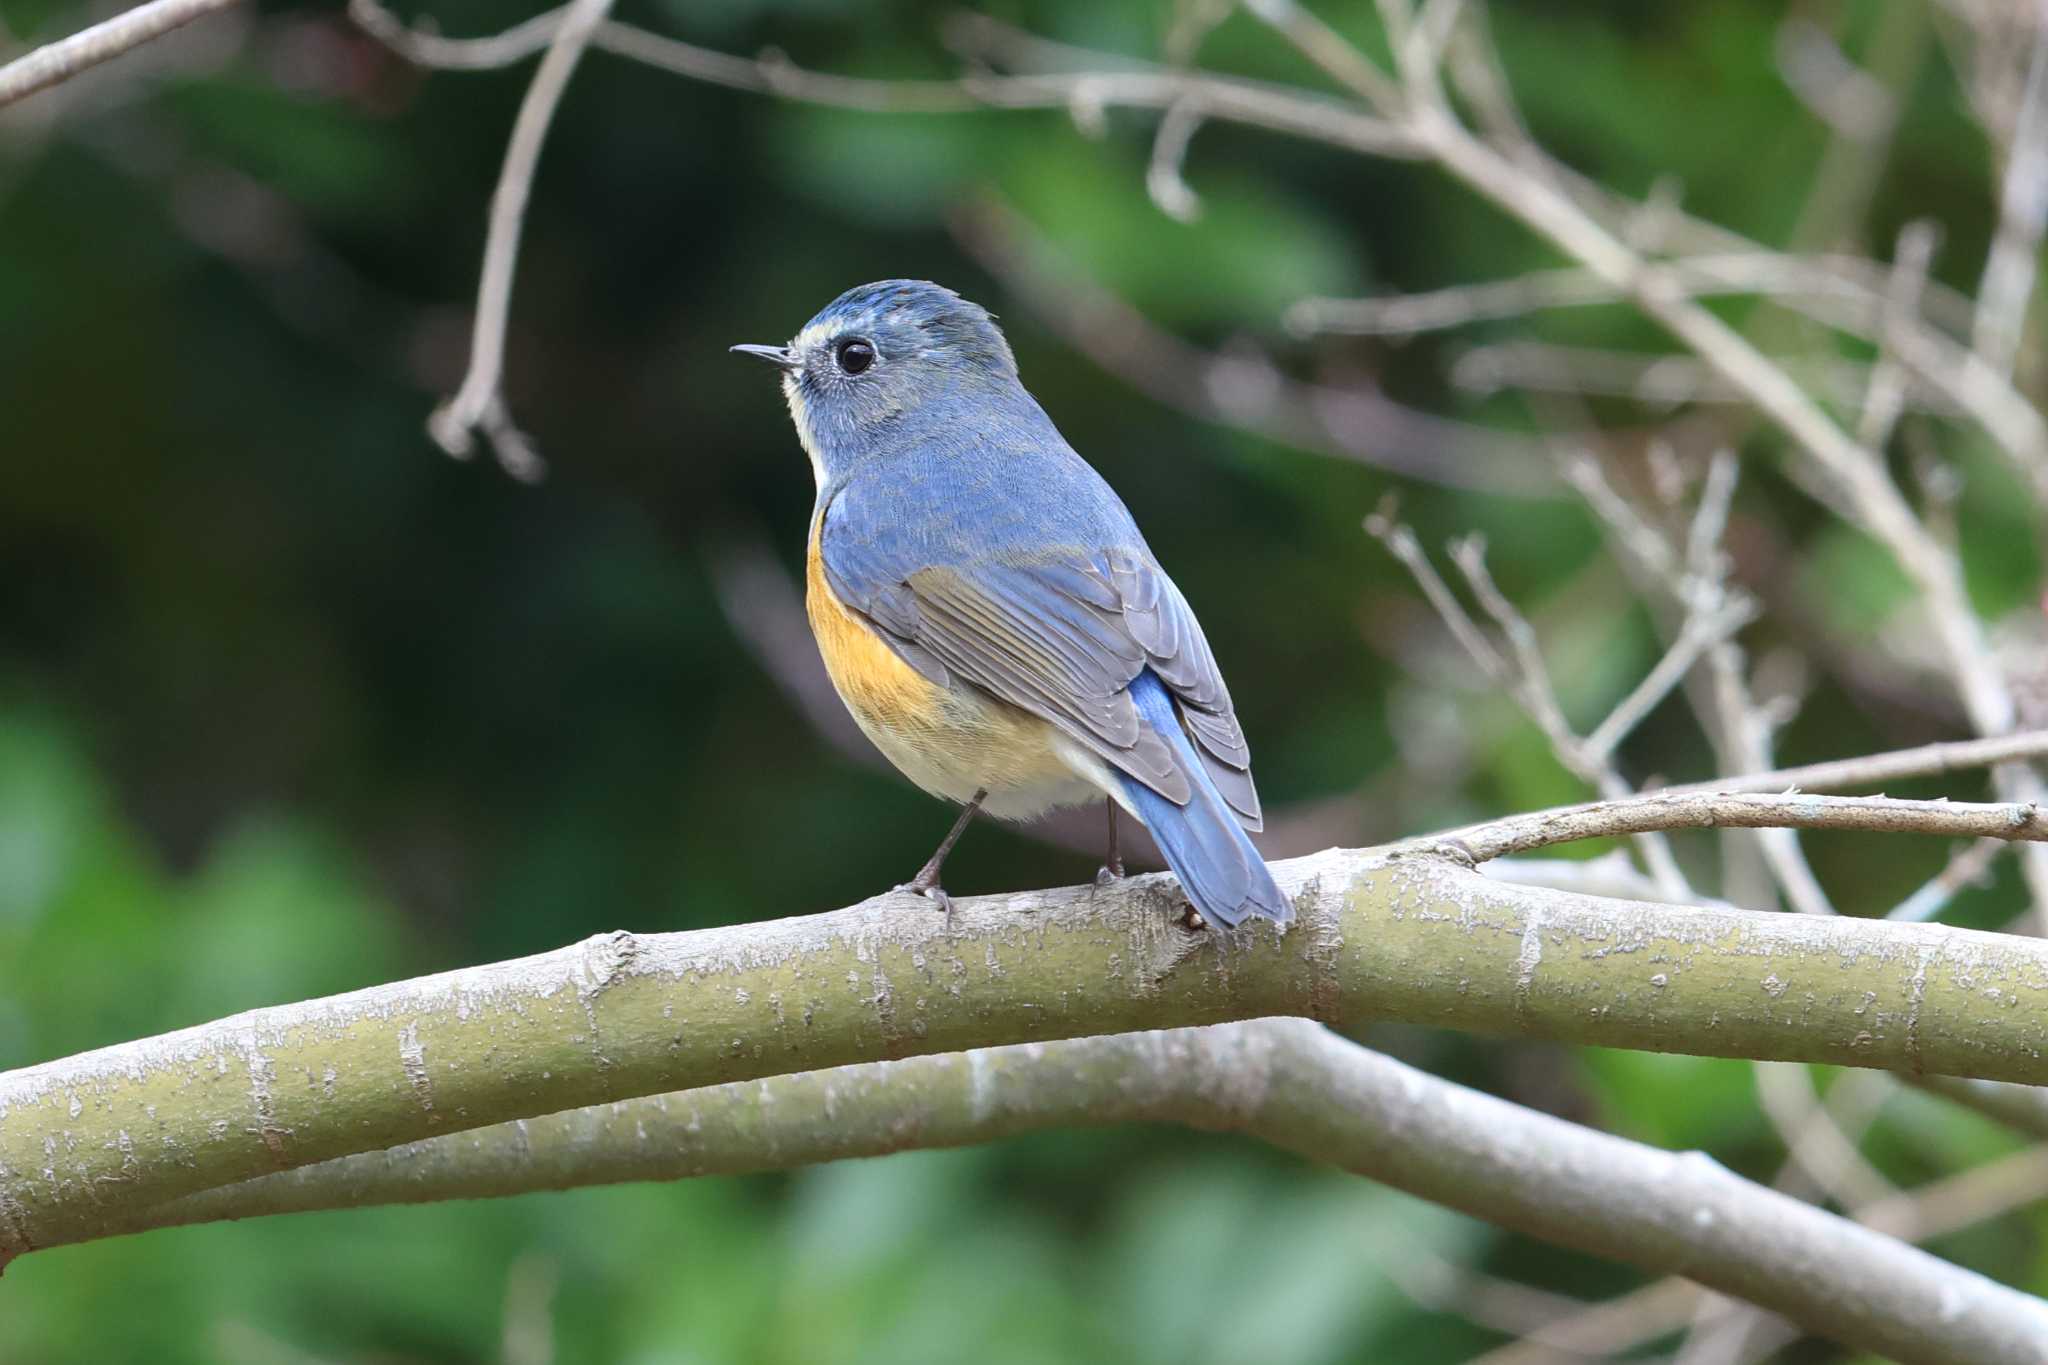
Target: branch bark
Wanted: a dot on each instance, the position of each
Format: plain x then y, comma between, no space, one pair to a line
55,63
1286,1081
1411,937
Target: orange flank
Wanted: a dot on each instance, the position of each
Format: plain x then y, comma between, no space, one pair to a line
879,688
951,742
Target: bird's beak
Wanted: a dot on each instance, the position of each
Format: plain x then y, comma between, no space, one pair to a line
775,355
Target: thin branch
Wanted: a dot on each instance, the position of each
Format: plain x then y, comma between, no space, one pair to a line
1886,397
1851,281
2024,1107
1691,809
1287,1081
1899,765
1857,474
1530,685
1498,1304
426,47
1242,388
479,405
1852,102
1745,740
1964,1199
1169,153
55,63
1699,633
1277,108
1612,874
1528,674
1966,868
1669,379
1816,1145
1605,1329
2009,270
1407,550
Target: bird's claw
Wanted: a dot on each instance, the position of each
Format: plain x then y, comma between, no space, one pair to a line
1109,874
936,894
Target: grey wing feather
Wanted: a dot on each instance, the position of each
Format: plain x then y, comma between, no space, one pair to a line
1163,624
1061,636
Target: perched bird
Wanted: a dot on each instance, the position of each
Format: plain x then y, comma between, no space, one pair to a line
987,608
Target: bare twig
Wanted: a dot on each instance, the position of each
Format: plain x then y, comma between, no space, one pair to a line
1131,84
1887,393
1872,770
1243,388
1605,1329
1669,810
1964,1199
1966,868
1404,547
1169,152
1498,1304
1852,284
1528,681
2024,1107
426,47
57,62
479,405
1855,472
2009,270
1699,634
1843,95
1812,1140
1669,379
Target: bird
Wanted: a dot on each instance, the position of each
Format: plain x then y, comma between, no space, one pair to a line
987,608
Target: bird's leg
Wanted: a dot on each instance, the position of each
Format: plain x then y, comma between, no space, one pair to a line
1113,862
926,882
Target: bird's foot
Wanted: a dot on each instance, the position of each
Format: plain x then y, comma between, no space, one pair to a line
933,892
1109,874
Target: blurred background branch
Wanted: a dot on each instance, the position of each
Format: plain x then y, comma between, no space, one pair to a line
1289,1082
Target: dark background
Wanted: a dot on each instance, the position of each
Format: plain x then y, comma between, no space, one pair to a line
292,703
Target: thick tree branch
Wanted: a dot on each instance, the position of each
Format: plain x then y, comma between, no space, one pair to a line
1287,1081
1410,937
58,62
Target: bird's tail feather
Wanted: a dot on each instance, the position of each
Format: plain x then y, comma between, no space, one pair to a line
1222,873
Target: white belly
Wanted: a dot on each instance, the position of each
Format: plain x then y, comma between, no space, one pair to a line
973,744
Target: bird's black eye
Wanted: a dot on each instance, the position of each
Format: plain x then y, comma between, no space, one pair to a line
855,355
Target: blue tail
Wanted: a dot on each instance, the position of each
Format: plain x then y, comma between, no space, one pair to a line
1222,873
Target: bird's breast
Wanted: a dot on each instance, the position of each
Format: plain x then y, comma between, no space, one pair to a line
877,686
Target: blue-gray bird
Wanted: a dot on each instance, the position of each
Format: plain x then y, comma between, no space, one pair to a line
987,608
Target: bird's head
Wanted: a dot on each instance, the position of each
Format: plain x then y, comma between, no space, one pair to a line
883,359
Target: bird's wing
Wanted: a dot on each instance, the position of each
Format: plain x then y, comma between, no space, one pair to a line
1059,633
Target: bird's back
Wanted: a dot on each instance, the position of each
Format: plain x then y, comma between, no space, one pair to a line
968,479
